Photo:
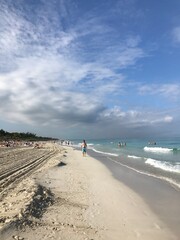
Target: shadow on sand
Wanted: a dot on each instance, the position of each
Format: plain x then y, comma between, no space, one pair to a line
61,164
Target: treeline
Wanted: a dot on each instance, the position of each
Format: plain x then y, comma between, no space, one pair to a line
5,136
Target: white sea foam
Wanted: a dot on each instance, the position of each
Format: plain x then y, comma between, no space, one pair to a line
88,144
163,165
171,181
131,156
106,153
158,149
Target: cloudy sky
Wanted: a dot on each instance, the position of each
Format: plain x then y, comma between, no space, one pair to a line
90,69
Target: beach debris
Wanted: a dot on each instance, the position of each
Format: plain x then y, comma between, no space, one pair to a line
18,237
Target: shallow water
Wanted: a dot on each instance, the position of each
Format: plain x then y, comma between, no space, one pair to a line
160,158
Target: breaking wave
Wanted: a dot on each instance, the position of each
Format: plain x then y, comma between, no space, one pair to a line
158,149
106,153
163,165
132,156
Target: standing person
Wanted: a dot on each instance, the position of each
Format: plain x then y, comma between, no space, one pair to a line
84,148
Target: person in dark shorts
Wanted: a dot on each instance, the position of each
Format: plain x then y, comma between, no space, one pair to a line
84,148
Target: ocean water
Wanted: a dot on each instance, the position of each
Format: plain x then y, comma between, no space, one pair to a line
160,158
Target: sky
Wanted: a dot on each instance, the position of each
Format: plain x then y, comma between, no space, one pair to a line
90,69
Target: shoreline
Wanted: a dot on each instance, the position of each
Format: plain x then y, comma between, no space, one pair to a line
89,203
162,197
173,177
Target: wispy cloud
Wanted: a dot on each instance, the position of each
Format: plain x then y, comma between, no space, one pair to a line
56,71
46,67
134,118
176,34
170,91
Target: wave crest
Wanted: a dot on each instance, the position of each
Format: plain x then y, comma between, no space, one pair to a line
163,165
132,156
106,153
158,149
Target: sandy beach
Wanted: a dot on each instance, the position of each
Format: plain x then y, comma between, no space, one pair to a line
74,197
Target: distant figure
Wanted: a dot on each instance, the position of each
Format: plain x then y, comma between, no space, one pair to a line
84,148
152,143
123,144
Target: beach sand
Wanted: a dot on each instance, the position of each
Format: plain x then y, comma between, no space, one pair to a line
83,201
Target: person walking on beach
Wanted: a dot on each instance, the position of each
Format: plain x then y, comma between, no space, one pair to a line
84,148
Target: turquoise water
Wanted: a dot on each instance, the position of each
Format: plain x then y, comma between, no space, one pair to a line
158,158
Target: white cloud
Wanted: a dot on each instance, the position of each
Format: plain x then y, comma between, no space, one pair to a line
52,74
134,118
169,90
176,34
168,119
129,57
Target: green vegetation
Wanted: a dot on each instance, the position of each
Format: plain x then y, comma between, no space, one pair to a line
5,136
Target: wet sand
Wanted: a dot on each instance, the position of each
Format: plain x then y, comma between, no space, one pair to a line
162,197
86,200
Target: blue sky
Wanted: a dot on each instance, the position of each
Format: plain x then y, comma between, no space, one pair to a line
90,69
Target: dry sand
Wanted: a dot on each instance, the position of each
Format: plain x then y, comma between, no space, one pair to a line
84,202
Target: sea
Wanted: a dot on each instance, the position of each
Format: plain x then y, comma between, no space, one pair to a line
156,158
